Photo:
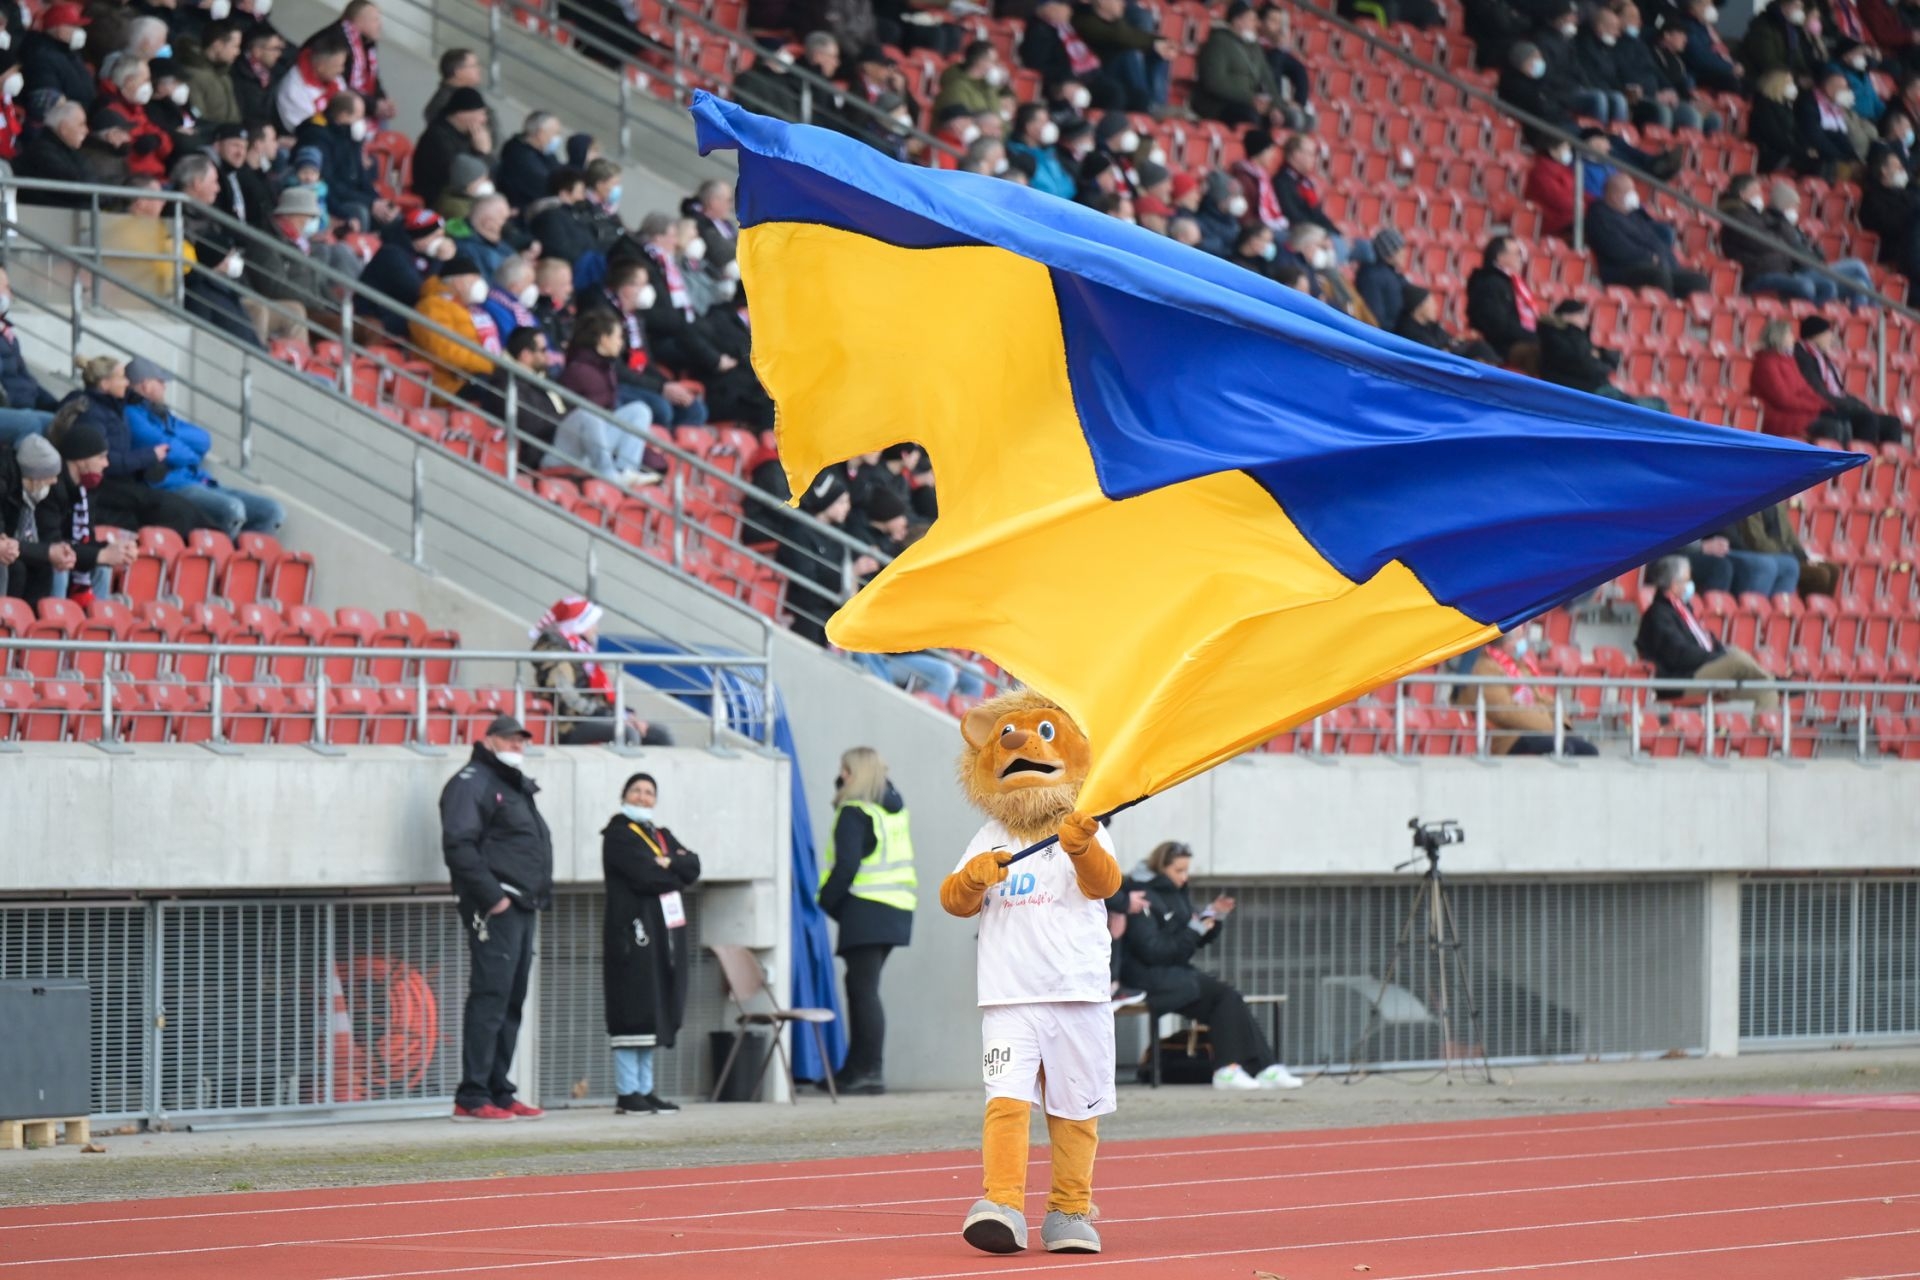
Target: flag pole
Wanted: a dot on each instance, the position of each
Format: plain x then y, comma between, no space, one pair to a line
1103,819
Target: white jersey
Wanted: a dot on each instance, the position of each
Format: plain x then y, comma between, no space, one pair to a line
1041,939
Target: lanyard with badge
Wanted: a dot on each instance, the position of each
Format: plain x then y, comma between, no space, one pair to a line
672,908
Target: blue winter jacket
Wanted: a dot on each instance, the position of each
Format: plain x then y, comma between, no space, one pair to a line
151,424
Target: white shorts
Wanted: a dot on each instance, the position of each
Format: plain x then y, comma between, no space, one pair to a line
1069,1043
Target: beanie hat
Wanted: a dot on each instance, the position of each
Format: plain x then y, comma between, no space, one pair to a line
1184,185
572,616
464,172
82,440
827,490
39,460
1411,299
465,98
884,504
1388,243
1255,141
1151,174
1111,126
423,222
1813,327
309,157
459,265
577,147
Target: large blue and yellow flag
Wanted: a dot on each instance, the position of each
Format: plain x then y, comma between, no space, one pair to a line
1194,506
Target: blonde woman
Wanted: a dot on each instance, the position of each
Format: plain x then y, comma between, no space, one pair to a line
868,888
123,495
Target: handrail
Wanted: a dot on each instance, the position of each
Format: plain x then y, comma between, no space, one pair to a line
771,510
1671,683
1500,106
173,648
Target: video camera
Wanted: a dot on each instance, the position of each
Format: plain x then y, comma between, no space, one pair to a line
1429,836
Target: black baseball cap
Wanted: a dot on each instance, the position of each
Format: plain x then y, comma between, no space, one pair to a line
507,727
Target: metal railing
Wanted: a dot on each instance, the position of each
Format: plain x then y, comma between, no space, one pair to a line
248,693
694,483
1812,715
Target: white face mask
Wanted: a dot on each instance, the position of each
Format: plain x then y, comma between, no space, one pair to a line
1322,259
1857,63
358,130
11,86
143,95
1844,99
696,251
6,41
481,189
648,296
1251,36
1569,29
1798,17
261,8
235,266
967,133
1536,69
1792,216
6,303
1158,156
731,271
1711,16
999,166
1564,155
1609,41
1632,33
1081,98
431,249
1686,589
218,10
528,296
1125,143
477,293
725,289
312,227
1049,133
35,493
996,75
1236,206
1632,202
1898,180
1757,204
511,759
78,40
638,813
1792,91
178,95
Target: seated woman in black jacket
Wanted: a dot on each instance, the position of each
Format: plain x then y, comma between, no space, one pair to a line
1157,953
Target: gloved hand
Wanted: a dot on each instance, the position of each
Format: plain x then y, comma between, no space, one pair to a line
985,870
1077,832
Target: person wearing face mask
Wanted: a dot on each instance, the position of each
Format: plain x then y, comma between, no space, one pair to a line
1708,60
645,962
1311,248
1633,248
1591,58
499,854
410,248
50,54
868,886
459,132
46,520
206,65
13,117
484,235
643,390
1549,187
528,161
1217,207
1255,249
338,139
1681,647
1855,63
661,243
467,181
735,396
1054,46
126,86
1778,40
1774,130
1116,140
1655,77
1836,138
1236,83
125,496
511,295
455,301
293,280
1891,210
1896,137
1035,135
1519,712
978,81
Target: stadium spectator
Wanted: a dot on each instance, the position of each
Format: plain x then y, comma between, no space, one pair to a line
410,248
671,334
1382,282
631,297
646,964
1296,85
207,66
1494,26
1312,250
125,497
360,26
616,451
46,524
142,39
1501,307
168,109
1793,408
50,54
554,307
736,395
1132,53
1631,248
817,562
562,222
1255,249
1420,322
537,411
1053,46
455,300
1255,175
1707,58
1815,358
340,143
529,160
868,889
1298,190
581,691
237,191
105,153
1654,75
1034,135
1779,39
1237,84
1519,713
261,51
27,407
1890,208
1157,958
1770,531
977,80
1221,207
482,235
459,69
294,281
467,181
511,294
1569,357
1828,127
1896,137
500,854
1680,647
604,190
769,85
1774,129
218,260
1550,187
712,209
460,130
151,422
1586,57
317,74
1525,86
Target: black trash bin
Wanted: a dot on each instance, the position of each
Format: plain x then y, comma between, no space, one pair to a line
741,1085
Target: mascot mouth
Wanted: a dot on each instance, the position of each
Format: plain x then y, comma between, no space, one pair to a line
1021,765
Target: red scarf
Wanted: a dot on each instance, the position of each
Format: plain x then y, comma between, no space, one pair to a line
1524,304
1828,374
1523,693
1846,19
363,63
484,326
1308,191
263,74
635,332
1267,206
676,283
1079,57
12,120
1685,611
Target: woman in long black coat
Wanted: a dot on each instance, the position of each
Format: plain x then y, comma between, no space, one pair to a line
645,964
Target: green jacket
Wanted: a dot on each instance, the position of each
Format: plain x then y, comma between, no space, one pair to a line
209,88
1232,72
1111,37
957,88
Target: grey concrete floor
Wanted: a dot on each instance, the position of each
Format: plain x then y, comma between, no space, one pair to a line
148,1164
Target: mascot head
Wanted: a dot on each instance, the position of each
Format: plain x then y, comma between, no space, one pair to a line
1024,762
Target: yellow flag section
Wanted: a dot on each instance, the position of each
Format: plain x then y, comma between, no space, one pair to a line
1179,627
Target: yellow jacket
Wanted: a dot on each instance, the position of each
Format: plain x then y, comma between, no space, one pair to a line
452,364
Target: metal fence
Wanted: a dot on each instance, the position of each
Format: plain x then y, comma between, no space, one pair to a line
1826,961
109,946
1560,971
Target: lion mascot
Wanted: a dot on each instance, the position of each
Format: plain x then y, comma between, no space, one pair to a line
1046,1027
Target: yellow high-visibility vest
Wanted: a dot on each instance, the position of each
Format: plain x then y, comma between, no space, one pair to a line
886,875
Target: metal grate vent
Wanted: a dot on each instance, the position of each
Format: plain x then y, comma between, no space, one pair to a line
1827,960
1560,971
107,946
576,1067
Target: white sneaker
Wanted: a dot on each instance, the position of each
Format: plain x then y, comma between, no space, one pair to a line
1278,1077
1234,1077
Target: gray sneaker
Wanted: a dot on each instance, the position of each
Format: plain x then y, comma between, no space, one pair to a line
996,1228
1069,1233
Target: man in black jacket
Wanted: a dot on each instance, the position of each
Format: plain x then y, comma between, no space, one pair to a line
1500,305
1814,355
52,533
528,162
1569,357
736,395
409,249
254,73
1679,645
55,155
460,130
50,56
352,195
500,854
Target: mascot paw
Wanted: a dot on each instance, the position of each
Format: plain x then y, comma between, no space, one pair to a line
1077,832
985,870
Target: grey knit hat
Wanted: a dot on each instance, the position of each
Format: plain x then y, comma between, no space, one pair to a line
39,460
1388,243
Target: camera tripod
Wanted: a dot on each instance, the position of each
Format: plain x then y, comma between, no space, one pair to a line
1452,988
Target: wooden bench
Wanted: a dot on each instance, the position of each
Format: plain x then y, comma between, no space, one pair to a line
1273,1003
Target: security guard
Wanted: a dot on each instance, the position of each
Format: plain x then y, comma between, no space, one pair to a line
868,887
501,855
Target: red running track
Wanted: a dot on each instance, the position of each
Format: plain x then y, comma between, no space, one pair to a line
1648,1195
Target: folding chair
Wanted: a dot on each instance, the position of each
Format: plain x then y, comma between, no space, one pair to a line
746,982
